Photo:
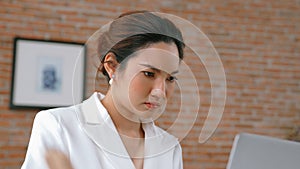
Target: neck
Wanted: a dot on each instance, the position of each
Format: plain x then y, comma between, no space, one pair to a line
123,125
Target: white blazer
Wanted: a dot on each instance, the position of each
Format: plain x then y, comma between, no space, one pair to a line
87,135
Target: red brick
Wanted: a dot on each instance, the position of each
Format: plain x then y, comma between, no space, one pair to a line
257,42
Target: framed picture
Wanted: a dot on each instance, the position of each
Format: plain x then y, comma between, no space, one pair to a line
47,74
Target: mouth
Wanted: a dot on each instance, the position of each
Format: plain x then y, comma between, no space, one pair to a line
151,105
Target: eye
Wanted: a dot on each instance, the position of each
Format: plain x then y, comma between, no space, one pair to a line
171,78
148,74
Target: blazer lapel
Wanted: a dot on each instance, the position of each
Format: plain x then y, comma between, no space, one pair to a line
98,126
159,147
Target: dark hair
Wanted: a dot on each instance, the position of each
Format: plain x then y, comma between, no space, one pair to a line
136,30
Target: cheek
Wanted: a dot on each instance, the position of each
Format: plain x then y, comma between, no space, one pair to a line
170,90
139,88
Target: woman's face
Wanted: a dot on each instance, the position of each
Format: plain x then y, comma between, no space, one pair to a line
141,90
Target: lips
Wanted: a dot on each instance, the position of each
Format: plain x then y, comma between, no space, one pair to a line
151,105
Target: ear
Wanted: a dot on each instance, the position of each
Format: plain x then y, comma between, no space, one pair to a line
110,63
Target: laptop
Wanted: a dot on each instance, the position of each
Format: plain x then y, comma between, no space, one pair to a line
250,151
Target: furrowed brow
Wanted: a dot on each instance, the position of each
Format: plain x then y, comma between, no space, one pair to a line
156,69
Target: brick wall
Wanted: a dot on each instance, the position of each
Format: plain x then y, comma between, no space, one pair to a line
258,43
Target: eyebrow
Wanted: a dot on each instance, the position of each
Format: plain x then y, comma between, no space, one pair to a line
156,69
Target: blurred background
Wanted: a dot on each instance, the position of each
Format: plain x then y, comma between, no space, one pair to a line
258,42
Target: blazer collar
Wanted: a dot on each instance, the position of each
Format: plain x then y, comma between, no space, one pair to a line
98,125
93,111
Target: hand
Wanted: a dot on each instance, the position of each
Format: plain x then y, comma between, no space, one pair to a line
57,160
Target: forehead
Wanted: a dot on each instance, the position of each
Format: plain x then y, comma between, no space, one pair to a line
163,56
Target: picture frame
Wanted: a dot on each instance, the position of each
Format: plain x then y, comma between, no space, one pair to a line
47,73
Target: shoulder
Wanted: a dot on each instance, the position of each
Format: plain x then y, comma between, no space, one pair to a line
58,113
61,112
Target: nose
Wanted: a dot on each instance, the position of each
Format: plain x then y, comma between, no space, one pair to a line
159,88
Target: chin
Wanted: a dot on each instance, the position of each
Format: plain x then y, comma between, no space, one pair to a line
149,116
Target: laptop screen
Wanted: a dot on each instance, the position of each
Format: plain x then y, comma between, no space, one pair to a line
251,151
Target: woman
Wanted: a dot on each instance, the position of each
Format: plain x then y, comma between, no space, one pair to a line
140,55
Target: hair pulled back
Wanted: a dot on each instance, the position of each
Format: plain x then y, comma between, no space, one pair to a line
136,30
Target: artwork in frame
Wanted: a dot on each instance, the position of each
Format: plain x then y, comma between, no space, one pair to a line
47,74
